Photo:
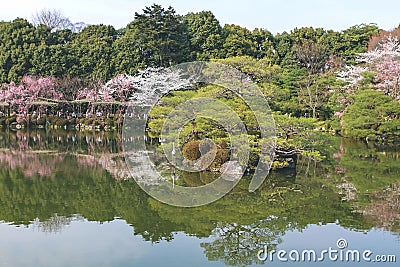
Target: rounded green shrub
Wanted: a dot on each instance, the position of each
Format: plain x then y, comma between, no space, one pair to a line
191,150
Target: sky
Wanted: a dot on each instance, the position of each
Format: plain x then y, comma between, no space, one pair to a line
274,15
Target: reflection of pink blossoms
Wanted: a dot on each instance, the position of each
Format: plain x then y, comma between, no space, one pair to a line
384,209
30,163
338,155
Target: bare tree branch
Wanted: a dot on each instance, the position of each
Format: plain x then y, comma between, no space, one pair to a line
52,19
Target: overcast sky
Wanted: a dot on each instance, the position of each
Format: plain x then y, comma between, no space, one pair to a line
274,15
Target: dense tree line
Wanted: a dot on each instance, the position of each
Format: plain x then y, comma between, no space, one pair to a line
157,37
324,76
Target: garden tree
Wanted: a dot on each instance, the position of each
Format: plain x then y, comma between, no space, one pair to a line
382,37
259,71
156,38
387,49
21,97
313,92
265,45
62,37
352,75
384,61
89,95
119,89
379,68
388,78
302,140
53,19
277,84
373,115
355,41
332,40
316,95
328,38
18,42
297,136
52,60
92,49
350,79
205,35
54,55
127,55
239,41
284,47
75,88
312,56
309,34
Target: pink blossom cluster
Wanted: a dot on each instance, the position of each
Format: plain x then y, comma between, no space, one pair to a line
34,90
388,76
383,62
30,90
388,49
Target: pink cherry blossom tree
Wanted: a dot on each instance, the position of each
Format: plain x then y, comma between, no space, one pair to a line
387,49
119,88
388,77
383,62
21,97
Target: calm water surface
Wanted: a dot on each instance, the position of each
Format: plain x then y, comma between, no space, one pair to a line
65,201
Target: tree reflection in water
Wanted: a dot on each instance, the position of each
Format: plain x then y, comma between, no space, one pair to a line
47,178
55,224
237,245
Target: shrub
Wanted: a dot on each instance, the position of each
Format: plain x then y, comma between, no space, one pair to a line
372,114
191,150
221,157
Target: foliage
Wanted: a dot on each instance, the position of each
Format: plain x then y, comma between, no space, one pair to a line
372,115
157,36
52,46
293,69
191,150
205,33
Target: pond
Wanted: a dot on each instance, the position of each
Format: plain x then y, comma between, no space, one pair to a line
66,201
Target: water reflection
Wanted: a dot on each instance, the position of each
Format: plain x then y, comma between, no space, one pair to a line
40,152
50,181
55,224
